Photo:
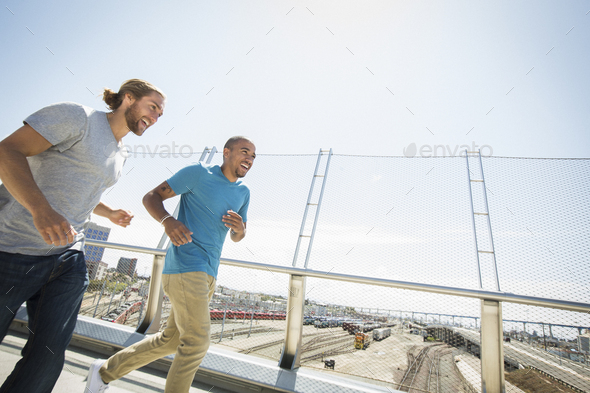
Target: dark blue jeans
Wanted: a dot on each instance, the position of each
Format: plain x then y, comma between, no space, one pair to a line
53,287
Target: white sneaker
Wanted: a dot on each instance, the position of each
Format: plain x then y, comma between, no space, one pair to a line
94,383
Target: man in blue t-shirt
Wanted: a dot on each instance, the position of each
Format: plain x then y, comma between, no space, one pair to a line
213,201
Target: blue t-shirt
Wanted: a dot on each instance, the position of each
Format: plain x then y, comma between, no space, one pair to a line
205,196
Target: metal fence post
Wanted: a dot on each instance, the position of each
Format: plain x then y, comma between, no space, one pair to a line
290,356
492,348
153,309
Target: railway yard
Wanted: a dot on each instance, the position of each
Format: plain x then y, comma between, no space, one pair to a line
401,361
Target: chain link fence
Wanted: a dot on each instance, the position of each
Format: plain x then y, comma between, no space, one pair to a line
398,218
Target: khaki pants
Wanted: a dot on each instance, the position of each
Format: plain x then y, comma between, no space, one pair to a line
186,334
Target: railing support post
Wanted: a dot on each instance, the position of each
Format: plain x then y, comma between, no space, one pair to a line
291,354
492,348
153,310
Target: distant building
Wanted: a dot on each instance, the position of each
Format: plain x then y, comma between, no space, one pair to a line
96,232
96,270
584,343
93,254
127,266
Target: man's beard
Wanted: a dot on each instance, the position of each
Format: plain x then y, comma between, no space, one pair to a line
132,118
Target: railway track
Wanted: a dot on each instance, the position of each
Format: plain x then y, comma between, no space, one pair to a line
429,357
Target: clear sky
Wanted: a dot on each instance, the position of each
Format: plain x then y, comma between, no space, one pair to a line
368,77
380,78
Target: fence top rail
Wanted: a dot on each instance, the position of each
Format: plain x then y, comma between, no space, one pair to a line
498,296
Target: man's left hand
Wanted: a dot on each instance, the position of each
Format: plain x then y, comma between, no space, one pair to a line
120,217
234,222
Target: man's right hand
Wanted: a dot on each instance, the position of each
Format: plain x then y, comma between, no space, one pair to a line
177,232
54,228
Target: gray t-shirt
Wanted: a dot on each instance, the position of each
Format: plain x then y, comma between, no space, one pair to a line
83,162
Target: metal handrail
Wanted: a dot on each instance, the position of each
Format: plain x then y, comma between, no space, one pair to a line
499,296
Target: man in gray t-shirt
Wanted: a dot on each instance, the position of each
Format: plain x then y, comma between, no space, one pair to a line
54,170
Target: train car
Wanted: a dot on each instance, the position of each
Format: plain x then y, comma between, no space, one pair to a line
380,334
362,340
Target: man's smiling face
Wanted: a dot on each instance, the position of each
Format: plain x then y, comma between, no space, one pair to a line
144,112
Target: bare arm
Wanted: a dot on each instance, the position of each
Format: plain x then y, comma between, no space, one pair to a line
117,216
178,233
16,176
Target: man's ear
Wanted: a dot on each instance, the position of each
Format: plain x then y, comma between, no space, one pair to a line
129,97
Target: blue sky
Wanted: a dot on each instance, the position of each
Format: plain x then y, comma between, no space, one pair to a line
360,77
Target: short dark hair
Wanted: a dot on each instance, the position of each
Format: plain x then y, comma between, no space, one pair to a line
235,139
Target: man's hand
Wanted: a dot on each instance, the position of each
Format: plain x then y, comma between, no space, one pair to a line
234,222
177,232
120,217
54,228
